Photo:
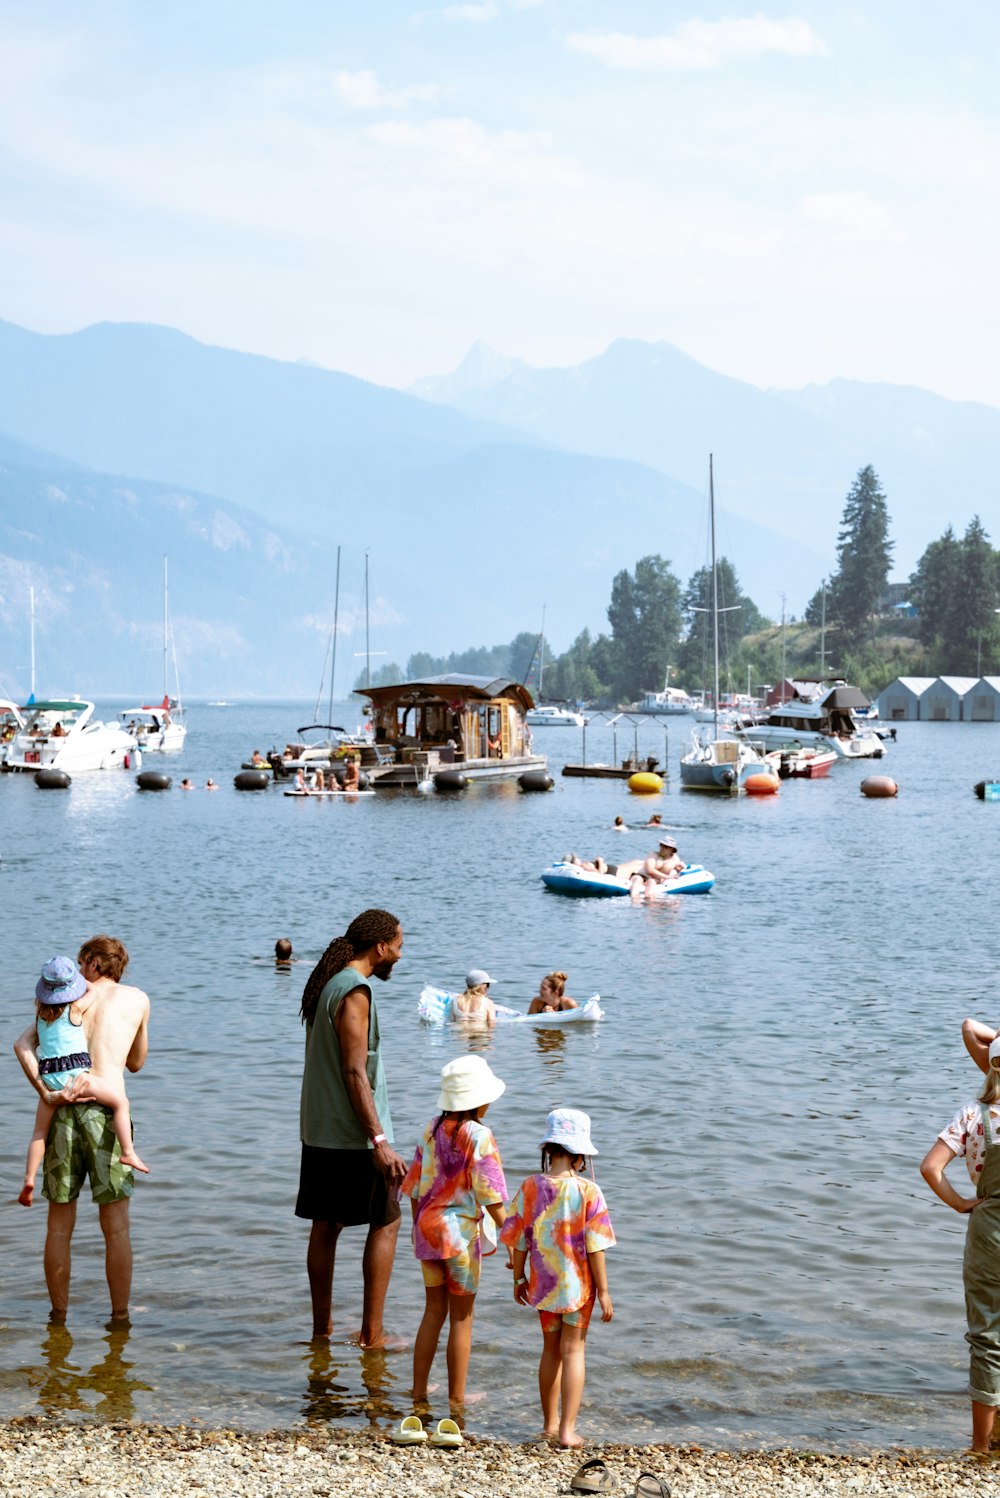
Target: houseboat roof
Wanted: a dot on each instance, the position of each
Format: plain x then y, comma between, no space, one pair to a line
451,688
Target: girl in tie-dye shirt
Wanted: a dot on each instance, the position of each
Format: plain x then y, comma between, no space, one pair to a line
557,1230
455,1178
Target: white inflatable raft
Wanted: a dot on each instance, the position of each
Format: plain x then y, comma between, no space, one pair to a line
434,1008
341,794
571,879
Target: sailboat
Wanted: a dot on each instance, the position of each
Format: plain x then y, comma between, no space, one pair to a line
335,737
549,714
159,727
717,764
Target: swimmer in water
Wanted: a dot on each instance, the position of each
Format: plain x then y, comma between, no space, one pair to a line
474,1008
552,996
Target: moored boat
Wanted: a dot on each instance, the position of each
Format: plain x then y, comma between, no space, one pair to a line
552,715
802,764
475,724
160,729
823,721
11,722
64,735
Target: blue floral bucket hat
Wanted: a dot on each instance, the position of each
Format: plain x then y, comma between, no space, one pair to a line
569,1128
61,982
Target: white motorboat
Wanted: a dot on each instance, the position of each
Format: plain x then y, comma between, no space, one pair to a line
64,735
160,729
550,715
11,723
823,721
671,701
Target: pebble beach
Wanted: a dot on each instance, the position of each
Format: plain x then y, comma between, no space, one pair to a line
40,1459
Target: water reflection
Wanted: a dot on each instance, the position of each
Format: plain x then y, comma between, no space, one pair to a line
329,1395
551,1044
62,1385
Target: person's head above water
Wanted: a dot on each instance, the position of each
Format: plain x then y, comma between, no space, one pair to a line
554,984
477,977
374,935
282,950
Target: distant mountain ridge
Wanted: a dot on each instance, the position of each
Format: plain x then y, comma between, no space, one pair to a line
784,457
471,526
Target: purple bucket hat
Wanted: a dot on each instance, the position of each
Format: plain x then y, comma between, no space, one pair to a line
60,983
570,1129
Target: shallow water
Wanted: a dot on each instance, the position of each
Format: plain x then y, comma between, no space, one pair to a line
777,1057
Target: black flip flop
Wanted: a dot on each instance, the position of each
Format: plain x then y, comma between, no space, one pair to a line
648,1485
592,1477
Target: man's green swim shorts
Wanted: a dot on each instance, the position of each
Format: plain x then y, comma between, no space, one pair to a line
81,1143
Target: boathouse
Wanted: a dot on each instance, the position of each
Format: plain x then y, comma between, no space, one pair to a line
900,701
942,702
982,702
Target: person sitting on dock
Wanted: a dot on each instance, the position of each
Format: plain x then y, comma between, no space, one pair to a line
552,996
474,1008
352,775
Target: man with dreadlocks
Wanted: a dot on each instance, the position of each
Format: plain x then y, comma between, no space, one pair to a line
350,1172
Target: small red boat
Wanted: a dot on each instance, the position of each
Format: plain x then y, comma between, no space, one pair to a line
802,764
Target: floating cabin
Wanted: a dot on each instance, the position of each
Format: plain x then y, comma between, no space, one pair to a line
473,723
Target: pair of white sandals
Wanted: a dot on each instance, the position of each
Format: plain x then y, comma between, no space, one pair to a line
411,1433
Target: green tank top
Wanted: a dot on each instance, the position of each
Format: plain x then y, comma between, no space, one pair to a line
326,1117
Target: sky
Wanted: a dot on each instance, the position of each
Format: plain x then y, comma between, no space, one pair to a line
789,194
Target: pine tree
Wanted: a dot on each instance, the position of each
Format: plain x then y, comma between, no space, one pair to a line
864,552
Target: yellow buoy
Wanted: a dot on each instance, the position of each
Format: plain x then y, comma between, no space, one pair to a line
645,783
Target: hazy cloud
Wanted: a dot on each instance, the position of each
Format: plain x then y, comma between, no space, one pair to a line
700,46
362,90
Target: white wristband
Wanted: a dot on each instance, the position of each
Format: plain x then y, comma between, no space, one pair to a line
378,1139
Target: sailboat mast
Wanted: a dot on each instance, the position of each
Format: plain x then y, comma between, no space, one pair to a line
165,616
715,606
333,660
541,656
368,653
32,593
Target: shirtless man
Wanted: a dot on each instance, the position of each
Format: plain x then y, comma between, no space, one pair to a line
644,874
81,1139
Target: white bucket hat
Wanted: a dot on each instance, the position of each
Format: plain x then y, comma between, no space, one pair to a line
468,1082
994,1050
570,1129
477,975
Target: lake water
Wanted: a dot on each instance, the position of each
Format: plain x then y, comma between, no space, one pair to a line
777,1057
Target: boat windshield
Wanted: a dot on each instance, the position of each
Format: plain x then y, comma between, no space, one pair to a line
45,717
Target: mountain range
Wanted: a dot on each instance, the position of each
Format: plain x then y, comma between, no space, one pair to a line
785,458
479,497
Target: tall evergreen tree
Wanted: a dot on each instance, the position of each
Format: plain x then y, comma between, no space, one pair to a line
934,587
973,623
645,618
864,552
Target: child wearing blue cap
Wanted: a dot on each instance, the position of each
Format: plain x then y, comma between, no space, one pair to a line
64,1066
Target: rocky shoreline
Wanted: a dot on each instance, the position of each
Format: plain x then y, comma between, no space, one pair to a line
47,1460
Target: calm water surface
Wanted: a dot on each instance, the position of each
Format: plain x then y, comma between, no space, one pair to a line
776,1059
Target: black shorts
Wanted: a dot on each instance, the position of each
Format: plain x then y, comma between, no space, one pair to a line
343,1186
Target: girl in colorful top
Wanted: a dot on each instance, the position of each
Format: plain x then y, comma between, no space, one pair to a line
558,1229
974,1133
64,1068
456,1175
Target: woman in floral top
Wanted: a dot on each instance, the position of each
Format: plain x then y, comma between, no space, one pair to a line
974,1134
456,1175
558,1229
